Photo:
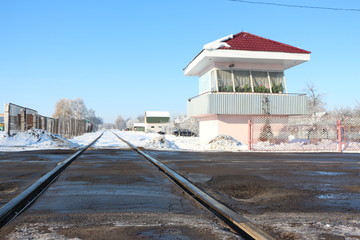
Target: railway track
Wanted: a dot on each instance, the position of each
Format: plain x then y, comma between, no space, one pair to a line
240,225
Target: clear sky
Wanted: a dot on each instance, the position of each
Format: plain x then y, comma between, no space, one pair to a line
126,57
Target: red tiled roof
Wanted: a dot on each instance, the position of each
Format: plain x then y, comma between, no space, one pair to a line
251,42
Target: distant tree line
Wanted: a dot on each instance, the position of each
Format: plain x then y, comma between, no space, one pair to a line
316,104
75,108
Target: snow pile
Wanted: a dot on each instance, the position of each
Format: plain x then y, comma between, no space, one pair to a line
34,139
160,142
226,143
218,43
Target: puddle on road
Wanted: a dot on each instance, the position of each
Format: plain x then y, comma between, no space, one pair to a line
340,196
324,173
346,200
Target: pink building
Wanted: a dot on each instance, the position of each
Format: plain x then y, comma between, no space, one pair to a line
241,76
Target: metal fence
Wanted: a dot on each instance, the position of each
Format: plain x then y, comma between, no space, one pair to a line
18,118
305,133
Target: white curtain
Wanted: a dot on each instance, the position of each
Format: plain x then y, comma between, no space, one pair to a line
260,79
276,79
225,83
242,81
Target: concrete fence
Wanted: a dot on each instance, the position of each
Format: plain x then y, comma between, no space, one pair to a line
18,118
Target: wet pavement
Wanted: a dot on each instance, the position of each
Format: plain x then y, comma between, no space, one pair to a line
115,194
18,170
328,179
292,195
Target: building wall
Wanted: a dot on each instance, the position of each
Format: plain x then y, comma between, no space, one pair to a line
155,127
208,128
236,126
156,121
232,125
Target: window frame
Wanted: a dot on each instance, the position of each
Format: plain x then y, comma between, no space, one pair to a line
251,77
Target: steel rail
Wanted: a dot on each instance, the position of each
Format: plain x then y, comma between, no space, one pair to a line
238,223
19,203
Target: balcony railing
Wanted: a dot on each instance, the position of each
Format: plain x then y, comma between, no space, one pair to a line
247,103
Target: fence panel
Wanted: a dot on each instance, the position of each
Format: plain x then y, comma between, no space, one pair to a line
351,134
18,118
294,133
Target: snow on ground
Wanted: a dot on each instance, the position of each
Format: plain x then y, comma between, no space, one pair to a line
34,139
107,140
155,141
224,142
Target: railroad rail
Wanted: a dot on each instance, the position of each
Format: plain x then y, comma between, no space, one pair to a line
18,204
238,223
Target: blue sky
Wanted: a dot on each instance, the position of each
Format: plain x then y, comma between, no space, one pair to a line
126,57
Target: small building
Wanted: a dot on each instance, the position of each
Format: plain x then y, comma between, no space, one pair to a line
140,127
241,76
156,121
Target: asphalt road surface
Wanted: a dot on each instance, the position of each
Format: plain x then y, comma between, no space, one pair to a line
116,194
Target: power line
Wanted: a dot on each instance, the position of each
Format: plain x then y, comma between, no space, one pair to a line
297,6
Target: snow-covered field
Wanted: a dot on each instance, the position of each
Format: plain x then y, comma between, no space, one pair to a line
155,141
41,140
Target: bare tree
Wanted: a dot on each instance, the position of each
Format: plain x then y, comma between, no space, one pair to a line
140,118
120,123
314,100
183,122
68,108
78,108
63,109
344,112
130,122
93,119
357,109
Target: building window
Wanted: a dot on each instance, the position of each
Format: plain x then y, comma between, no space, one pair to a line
260,81
242,81
276,79
225,83
250,81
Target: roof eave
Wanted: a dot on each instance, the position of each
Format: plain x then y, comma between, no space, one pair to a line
206,57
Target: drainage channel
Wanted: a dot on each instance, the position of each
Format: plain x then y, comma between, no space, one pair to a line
18,204
238,223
